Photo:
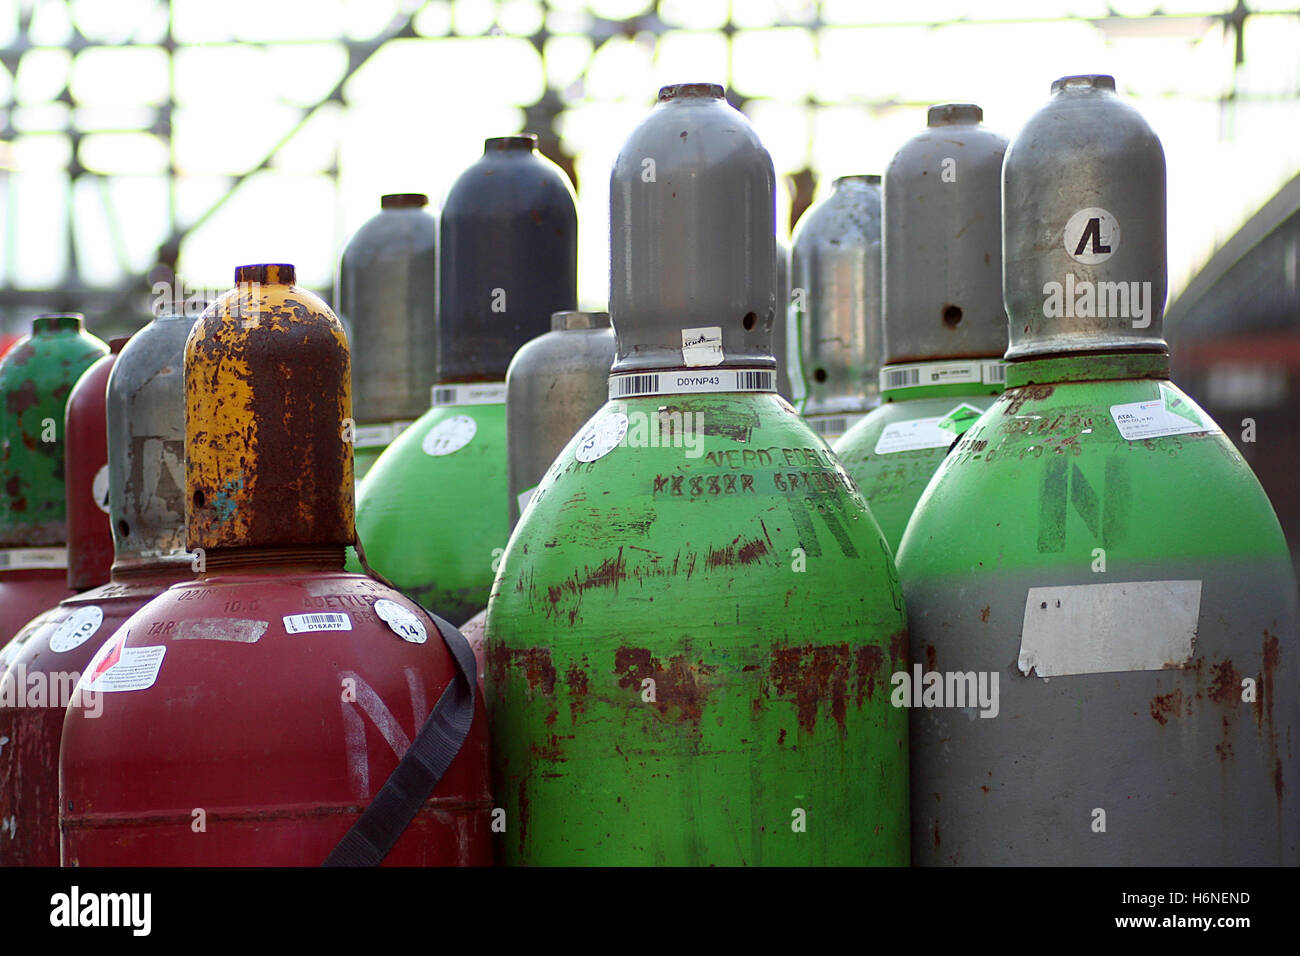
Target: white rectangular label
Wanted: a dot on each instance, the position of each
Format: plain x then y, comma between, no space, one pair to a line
525,497
1106,628
18,558
914,435
1170,414
136,669
702,346
486,393
298,623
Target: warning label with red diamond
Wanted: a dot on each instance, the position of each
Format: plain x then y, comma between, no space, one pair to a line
116,667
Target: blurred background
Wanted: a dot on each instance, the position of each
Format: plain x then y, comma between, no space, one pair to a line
146,135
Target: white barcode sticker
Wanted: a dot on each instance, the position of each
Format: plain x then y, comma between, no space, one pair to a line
702,347
684,382
830,427
300,623
77,628
14,559
401,621
449,436
601,437
478,393
924,374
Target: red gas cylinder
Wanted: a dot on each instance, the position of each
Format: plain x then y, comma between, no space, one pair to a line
142,401
250,716
90,541
36,375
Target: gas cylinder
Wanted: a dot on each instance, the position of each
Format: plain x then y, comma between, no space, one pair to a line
36,375
508,247
90,540
1097,553
554,384
145,414
944,328
387,292
836,268
247,716
692,630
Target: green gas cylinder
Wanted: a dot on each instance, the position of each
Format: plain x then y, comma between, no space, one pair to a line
36,377
944,325
1096,559
432,512
692,632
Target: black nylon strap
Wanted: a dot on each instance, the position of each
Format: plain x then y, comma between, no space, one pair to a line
421,767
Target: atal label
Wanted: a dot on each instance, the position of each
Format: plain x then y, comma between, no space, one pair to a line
401,621
920,433
449,436
1170,414
601,437
77,628
300,623
1108,628
99,488
1091,236
116,667
702,346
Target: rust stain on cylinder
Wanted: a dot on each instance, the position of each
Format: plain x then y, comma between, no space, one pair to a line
268,389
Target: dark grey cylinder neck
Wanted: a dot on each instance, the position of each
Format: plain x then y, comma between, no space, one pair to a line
507,258
943,241
693,270
387,293
836,270
1084,226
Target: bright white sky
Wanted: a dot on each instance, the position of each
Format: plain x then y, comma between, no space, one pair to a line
418,111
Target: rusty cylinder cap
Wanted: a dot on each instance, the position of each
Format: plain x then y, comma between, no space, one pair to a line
1083,82
681,91
403,201
575,319
56,322
267,396
267,273
524,141
954,114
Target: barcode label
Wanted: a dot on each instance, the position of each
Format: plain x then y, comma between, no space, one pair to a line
691,381
298,623
833,426
13,559
634,385
924,374
480,393
899,377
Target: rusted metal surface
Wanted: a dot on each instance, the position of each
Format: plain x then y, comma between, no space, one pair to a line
267,384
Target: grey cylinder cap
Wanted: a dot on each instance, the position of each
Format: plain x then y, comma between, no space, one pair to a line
1084,226
554,384
693,236
836,265
943,241
146,440
387,290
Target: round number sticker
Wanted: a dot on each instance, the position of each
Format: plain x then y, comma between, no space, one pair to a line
601,437
449,436
402,622
1091,236
99,488
77,628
